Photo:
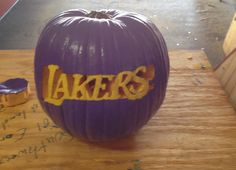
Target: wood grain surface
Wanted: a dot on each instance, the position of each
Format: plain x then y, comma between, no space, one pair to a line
195,129
226,71
230,39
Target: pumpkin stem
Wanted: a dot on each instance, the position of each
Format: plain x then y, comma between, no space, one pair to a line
98,15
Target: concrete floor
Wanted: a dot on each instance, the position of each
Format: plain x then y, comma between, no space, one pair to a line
185,24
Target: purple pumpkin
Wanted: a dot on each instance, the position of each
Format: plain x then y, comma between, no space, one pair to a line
101,75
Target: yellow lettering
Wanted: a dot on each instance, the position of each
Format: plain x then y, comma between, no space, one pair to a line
82,89
61,91
120,89
130,85
142,86
77,90
52,70
102,87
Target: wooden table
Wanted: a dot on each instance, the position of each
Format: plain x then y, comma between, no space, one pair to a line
195,129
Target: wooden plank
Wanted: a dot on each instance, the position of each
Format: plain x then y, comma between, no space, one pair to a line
194,129
231,84
230,39
184,59
229,50
222,68
229,72
226,71
233,96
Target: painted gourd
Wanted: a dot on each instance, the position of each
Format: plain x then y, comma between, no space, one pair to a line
101,75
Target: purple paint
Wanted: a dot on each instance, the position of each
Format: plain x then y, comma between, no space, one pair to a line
79,42
11,86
